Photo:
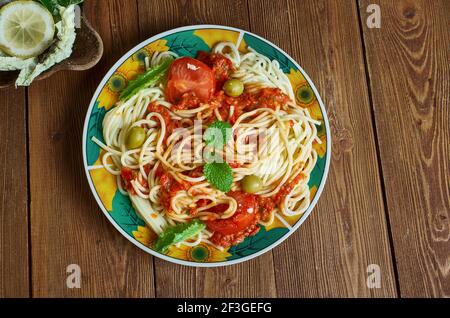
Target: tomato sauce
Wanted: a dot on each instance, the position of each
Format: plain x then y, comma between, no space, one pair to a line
202,203
187,101
190,84
265,207
227,240
171,125
286,189
271,98
188,88
147,168
220,65
250,210
195,173
243,223
169,187
267,97
127,175
234,165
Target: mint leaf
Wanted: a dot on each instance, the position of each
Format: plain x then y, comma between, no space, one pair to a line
177,234
217,134
219,174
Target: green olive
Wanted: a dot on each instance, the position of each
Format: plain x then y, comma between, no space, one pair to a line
233,87
135,137
251,184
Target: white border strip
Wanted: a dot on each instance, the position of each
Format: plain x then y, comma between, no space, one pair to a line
239,40
97,167
165,257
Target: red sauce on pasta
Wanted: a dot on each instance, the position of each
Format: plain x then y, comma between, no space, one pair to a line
187,101
251,208
286,189
222,69
171,125
128,175
243,223
169,187
221,66
231,108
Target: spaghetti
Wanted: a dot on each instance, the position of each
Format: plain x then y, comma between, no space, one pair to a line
271,141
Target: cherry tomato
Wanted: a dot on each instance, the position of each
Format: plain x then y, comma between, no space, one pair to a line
243,217
188,75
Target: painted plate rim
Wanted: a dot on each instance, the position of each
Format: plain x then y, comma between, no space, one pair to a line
176,260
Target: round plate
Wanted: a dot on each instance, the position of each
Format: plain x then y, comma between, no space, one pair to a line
187,41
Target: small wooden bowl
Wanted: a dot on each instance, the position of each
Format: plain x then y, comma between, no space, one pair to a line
87,51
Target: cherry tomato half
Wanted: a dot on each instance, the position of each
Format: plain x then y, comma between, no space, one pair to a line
189,75
243,217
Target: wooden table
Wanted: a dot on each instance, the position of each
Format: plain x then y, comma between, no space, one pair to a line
386,202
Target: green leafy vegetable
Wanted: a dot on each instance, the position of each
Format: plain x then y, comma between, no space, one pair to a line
218,134
149,78
59,51
219,174
177,234
52,5
66,3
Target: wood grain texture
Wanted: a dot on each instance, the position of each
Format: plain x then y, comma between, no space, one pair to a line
408,61
67,226
328,256
14,272
251,279
397,111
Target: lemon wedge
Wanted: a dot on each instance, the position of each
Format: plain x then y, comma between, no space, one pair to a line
26,28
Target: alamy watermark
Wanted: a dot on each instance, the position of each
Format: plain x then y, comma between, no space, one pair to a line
73,280
373,276
374,19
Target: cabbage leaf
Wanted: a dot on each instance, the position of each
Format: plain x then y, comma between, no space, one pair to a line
58,52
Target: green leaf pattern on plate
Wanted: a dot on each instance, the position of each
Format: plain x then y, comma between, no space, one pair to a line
272,53
255,243
124,214
186,43
94,130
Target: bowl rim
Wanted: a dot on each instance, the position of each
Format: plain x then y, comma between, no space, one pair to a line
176,260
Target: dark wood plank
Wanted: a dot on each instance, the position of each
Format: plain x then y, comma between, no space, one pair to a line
67,225
347,231
14,272
408,59
254,278
177,281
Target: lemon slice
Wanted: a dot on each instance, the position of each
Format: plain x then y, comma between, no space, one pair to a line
26,29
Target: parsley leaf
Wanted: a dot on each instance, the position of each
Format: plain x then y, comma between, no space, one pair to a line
219,174
218,134
178,233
